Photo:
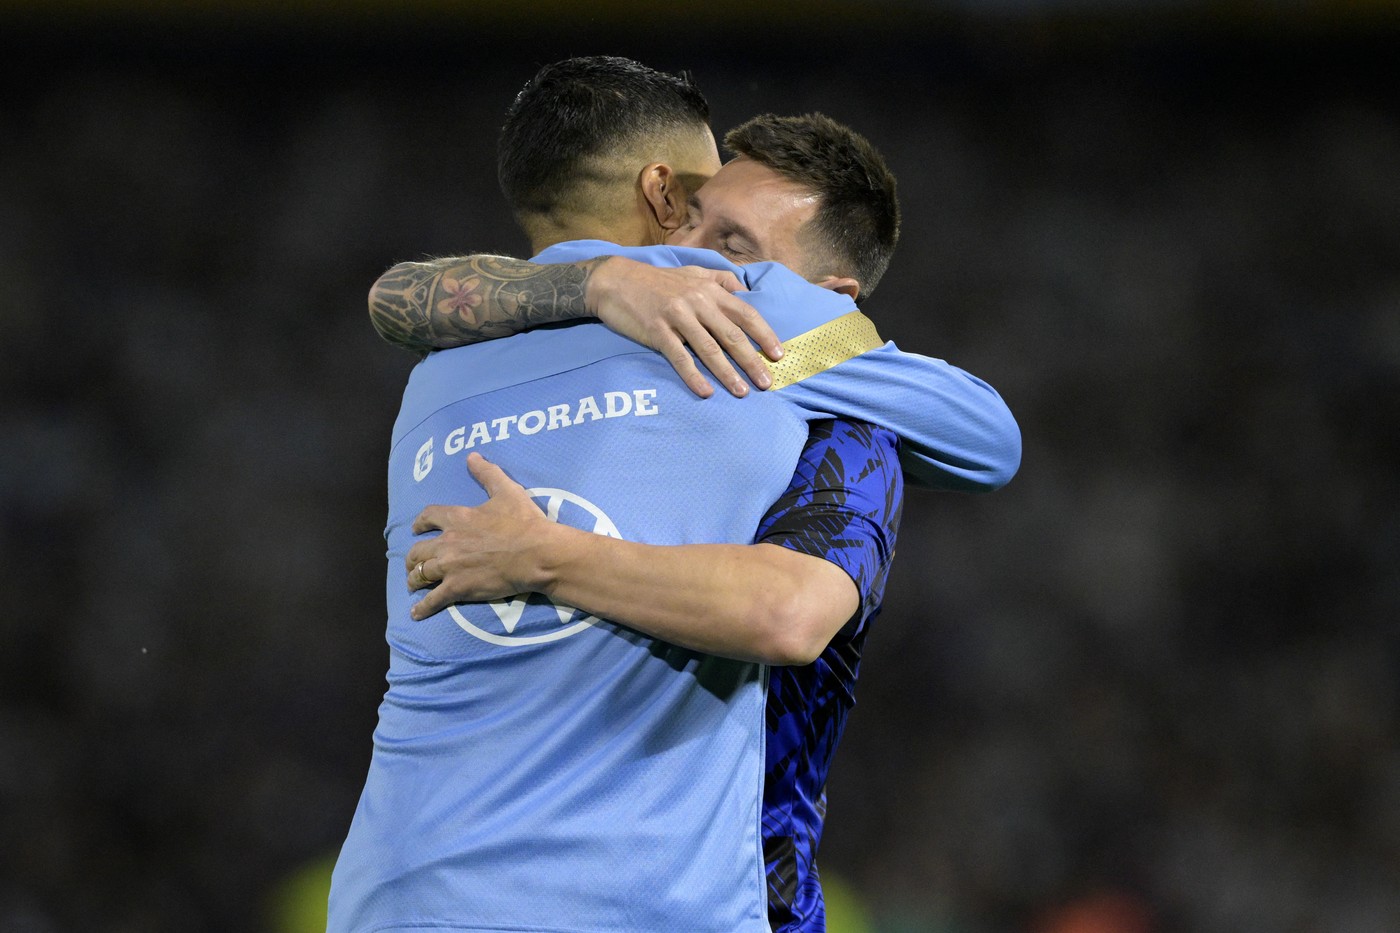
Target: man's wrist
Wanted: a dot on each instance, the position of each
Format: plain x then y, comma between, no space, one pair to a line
546,558
599,280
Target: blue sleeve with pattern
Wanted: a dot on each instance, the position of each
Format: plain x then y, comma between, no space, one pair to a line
843,504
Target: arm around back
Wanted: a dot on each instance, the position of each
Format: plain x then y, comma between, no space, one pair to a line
759,602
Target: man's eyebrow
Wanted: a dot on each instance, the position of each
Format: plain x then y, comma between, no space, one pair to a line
733,228
727,226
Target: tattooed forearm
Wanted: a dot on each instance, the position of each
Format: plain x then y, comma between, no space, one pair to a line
457,301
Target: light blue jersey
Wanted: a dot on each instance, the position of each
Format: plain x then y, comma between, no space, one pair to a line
956,432
538,769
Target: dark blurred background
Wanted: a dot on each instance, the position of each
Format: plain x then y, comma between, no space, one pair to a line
1149,687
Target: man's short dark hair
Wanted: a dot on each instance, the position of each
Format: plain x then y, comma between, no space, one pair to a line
856,224
579,108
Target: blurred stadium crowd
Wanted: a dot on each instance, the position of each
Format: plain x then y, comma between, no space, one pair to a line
1156,675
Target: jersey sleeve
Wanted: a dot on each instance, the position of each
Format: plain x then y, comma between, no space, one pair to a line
843,505
956,432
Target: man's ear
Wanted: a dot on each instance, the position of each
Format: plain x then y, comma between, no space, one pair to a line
664,195
846,286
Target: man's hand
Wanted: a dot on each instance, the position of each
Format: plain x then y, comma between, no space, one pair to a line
755,602
672,309
483,552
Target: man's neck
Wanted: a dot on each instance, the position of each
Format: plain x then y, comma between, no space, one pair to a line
622,231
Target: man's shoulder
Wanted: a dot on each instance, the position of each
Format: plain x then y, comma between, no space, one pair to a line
660,255
758,275
789,303
853,435
543,351
856,457
447,376
581,250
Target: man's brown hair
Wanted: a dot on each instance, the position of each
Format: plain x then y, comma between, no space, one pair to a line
856,225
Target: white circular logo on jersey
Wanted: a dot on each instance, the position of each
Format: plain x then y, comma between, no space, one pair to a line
508,612
423,463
